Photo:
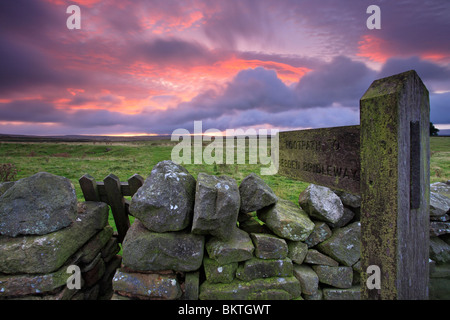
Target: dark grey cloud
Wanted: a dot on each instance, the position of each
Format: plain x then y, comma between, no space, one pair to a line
435,76
440,108
342,81
29,111
175,52
415,28
234,20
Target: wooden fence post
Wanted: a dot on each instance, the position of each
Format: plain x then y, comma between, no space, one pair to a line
89,188
135,182
117,204
395,186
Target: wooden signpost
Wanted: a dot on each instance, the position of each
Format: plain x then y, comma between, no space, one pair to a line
386,160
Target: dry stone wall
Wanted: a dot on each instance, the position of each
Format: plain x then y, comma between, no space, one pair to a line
43,231
440,241
205,238
239,242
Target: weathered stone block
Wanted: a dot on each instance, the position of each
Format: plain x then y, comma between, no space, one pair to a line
339,277
191,285
353,293
438,228
344,245
345,219
309,281
255,194
239,247
90,250
147,285
216,209
146,250
27,284
287,220
269,288
37,205
268,246
47,253
165,202
297,251
315,257
321,203
264,268
320,233
439,204
349,199
439,250
219,273
439,288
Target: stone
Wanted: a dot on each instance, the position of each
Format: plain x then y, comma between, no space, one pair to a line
439,228
93,273
191,285
110,249
144,250
219,273
441,188
315,296
309,281
238,248
264,289
264,268
357,270
287,220
268,246
439,289
344,220
105,283
255,194
27,284
439,250
90,250
321,203
47,253
320,233
165,202
440,271
5,186
344,244
37,205
439,204
348,199
297,251
252,225
147,285
315,257
352,293
443,218
216,209
339,277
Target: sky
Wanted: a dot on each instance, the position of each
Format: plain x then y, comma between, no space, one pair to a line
150,67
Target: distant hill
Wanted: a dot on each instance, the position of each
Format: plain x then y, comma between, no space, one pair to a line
77,138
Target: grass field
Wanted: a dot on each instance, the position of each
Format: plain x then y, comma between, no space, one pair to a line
124,159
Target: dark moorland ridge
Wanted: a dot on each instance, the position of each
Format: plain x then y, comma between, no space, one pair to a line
83,138
77,138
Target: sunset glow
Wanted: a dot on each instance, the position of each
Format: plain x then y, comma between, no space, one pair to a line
150,67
